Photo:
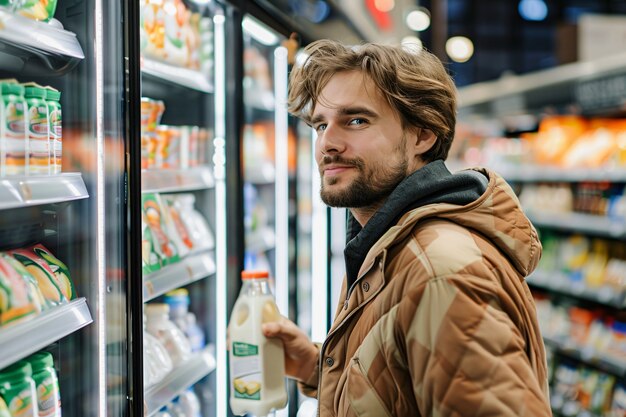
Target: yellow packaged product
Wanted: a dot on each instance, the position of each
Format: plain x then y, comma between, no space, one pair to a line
16,303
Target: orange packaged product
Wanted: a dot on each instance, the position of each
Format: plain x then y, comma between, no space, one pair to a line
581,319
556,134
169,146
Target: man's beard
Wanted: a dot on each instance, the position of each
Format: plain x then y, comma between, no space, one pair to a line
367,189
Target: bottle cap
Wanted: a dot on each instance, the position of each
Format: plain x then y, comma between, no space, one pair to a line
40,360
12,89
34,92
157,309
53,94
254,274
18,370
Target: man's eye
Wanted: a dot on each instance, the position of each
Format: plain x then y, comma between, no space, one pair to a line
320,127
357,122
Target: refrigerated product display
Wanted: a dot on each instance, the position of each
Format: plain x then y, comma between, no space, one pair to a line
180,202
569,172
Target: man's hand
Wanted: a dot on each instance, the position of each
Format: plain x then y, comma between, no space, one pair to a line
301,354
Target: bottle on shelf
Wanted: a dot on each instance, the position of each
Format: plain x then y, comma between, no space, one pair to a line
46,383
160,326
17,387
257,370
178,301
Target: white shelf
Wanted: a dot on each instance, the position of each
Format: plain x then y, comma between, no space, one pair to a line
579,222
177,75
21,339
190,269
559,282
183,376
542,173
261,174
39,36
260,240
588,355
171,180
486,92
22,191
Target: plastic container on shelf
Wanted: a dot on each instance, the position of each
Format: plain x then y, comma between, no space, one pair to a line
160,326
55,117
47,384
156,361
17,387
38,130
13,138
189,403
178,301
257,366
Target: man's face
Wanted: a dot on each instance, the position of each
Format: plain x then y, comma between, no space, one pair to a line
362,151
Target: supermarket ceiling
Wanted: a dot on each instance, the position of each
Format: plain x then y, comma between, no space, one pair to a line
508,36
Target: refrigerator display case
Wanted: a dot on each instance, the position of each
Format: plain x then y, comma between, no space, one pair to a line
265,143
62,280
182,206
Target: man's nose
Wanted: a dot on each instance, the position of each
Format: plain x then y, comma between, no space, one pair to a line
331,140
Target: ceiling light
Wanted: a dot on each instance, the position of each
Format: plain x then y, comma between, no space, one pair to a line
384,5
535,10
459,48
259,31
418,20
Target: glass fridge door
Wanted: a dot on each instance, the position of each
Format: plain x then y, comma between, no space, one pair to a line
182,206
62,262
265,155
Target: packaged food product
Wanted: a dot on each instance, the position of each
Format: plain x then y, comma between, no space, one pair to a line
17,387
160,326
178,301
13,136
16,303
46,383
55,117
154,217
37,297
53,290
196,225
38,130
257,365
4,409
178,229
169,146
618,403
33,9
156,361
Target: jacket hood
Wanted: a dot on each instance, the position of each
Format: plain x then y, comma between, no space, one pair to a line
496,214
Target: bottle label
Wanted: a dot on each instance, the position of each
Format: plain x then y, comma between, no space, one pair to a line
246,371
48,398
14,127
22,404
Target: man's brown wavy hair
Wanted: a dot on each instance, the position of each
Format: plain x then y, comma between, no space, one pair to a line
416,85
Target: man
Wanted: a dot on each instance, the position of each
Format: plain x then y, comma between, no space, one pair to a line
436,318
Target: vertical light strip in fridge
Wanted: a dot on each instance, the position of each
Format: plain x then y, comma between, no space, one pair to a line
281,205
219,164
100,309
319,257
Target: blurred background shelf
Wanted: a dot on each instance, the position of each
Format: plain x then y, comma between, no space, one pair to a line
169,180
21,339
183,376
177,75
23,191
35,48
580,222
190,269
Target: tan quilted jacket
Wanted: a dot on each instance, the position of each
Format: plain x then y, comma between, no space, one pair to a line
440,321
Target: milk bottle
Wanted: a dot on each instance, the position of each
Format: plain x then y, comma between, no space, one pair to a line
257,364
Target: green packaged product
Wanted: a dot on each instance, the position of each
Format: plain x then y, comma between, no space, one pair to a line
4,410
47,384
38,130
55,119
33,9
17,387
13,137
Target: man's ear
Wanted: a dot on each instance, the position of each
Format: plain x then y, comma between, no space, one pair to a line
424,140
